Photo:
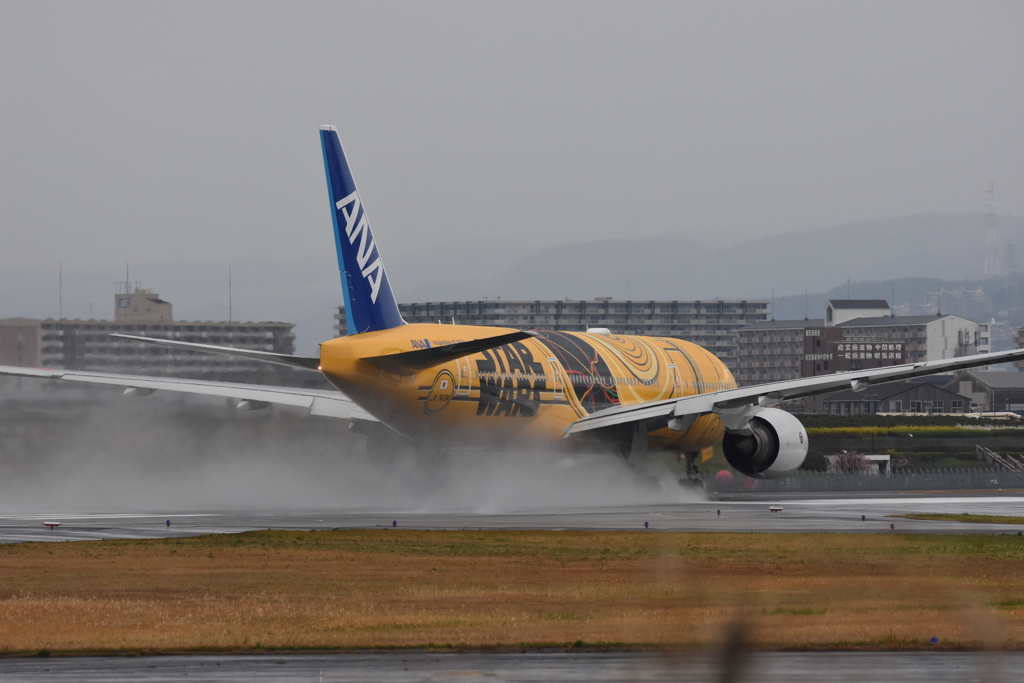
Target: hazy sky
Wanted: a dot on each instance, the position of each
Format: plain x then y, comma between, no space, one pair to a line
187,131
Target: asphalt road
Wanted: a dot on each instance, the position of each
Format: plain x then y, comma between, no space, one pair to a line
817,514
402,667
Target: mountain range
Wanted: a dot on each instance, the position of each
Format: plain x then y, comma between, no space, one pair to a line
932,247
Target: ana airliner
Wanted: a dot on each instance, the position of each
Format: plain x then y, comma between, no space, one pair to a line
457,386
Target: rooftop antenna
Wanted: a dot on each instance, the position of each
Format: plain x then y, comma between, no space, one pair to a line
847,288
806,309
229,293
938,297
773,304
892,299
60,290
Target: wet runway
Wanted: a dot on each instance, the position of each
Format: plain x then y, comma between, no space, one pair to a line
401,667
840,515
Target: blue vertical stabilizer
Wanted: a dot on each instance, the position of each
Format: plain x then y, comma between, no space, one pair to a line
369,302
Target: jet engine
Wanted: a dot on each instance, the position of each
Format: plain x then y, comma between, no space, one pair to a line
772,444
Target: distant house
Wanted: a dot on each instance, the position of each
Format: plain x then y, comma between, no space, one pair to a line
991,390
875,464
897,397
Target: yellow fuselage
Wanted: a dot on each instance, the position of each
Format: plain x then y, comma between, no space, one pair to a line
525,392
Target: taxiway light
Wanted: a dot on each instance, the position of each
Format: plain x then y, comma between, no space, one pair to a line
935,640
168,523
719,513
394,522
645,524
863,518
893,527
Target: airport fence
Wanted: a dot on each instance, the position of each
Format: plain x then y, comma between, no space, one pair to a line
939,479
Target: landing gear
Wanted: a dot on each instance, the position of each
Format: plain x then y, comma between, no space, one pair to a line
692,471
387,449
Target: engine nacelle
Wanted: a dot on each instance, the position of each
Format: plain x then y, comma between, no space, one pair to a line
772,444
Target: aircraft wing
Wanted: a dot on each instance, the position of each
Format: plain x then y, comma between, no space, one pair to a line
262,356
657,413
326,403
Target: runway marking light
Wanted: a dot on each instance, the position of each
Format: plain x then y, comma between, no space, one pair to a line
775,508
51,525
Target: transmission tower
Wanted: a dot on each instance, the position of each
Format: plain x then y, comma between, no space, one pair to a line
992,232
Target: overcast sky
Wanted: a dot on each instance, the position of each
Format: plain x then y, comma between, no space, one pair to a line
187,131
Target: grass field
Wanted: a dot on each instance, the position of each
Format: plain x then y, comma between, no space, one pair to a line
966,517
394,588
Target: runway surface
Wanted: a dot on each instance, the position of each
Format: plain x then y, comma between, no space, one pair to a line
840,515
401,667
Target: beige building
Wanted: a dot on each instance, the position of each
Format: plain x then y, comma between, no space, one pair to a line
776,350
87,344
141,305
927,337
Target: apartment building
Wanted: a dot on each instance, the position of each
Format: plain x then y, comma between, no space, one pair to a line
711,324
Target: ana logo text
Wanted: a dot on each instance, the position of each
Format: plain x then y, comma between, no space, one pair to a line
357,227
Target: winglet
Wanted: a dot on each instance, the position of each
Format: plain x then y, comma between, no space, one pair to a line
369,302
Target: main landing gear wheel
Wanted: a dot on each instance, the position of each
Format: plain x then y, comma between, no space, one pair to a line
385,447
692,477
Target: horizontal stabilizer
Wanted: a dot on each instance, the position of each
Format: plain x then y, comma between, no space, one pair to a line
411,362
264,356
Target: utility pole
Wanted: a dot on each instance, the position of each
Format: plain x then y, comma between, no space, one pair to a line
991,232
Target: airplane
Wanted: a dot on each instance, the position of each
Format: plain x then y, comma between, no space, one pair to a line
445,387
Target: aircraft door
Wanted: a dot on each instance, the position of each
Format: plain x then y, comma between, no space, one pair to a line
465,377
677,384
556,382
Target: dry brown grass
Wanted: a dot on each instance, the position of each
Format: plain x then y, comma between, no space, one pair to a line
965,517
382,588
